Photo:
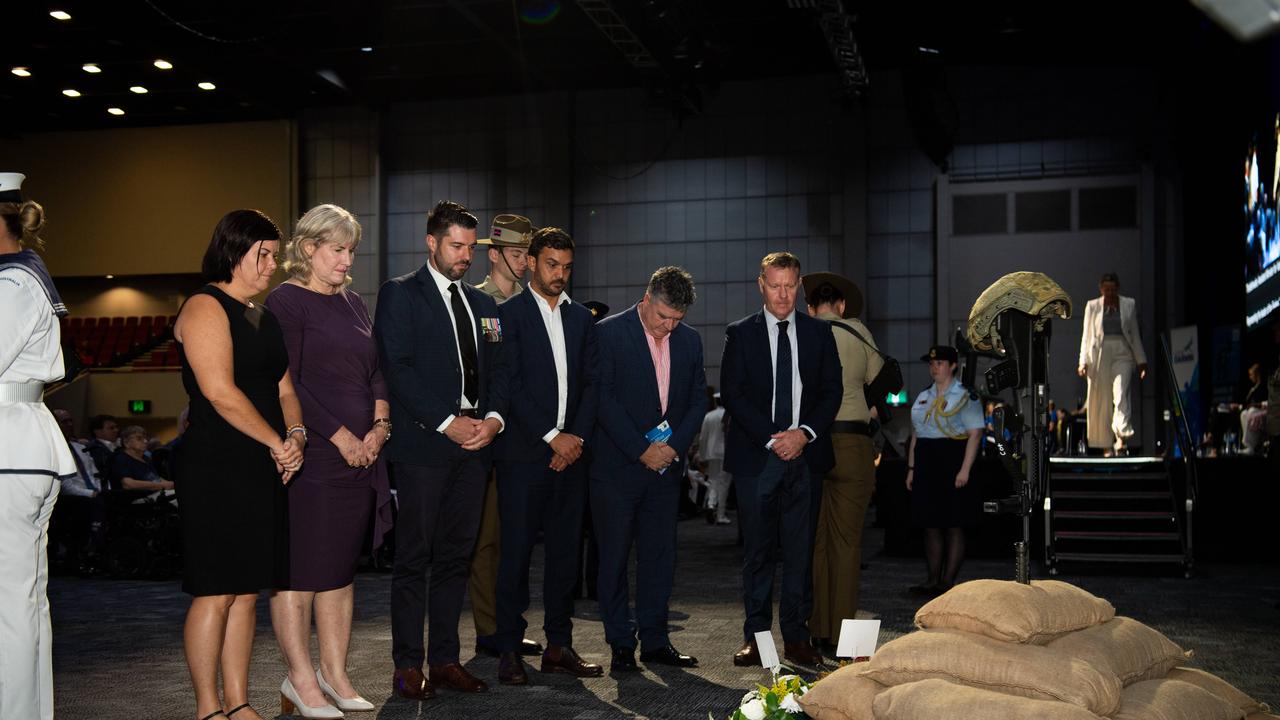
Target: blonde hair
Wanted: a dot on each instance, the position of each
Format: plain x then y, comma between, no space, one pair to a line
781,260
24,221
321,224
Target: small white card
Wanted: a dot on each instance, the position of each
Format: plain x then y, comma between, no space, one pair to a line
768,651
858,638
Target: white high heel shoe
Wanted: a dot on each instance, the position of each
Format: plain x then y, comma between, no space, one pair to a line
291,704
355,704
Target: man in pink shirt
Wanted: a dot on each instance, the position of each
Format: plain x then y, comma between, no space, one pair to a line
652,393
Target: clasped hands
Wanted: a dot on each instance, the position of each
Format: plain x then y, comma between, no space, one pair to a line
357,452
566,448
788,444
288,457
472,433
658,456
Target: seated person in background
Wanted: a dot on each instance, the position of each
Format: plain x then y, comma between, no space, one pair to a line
80,503
1253,410
130,469
104,440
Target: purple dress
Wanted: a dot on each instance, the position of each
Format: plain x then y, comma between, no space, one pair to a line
333,362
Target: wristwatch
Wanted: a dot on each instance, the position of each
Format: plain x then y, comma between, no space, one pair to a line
385,422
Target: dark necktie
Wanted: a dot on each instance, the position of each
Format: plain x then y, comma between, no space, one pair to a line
84,472
466,344
782,380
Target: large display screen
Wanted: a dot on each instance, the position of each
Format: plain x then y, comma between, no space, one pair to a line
1262,246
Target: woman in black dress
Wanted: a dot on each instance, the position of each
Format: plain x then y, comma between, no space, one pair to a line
244,443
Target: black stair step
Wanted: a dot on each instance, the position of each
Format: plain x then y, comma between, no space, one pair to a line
1115,535
1120,557
1112,514
1153,476
1110,494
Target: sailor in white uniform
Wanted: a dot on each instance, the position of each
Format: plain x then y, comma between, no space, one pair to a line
33,456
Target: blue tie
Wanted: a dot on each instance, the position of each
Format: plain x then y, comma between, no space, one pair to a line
782,380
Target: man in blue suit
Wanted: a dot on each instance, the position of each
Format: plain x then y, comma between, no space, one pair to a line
780,384
550,348
652,398
440,349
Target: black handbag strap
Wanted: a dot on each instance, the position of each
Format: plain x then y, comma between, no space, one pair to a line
855,333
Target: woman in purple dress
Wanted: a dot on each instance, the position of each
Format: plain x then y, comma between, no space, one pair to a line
334,366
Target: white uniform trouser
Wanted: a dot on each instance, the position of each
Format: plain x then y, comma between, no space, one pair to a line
719,480
1110,414
26,638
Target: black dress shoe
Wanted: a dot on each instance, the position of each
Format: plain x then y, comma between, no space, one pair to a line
529,647
668,656
624,660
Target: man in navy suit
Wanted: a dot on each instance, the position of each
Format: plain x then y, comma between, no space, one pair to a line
652,397
550,348
440,348
780,383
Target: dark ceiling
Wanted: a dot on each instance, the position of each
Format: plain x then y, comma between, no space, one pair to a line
270,59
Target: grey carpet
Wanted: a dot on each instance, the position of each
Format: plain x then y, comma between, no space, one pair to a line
118,644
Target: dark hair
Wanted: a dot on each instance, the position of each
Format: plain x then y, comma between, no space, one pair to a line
445,215
825,294
673,286
1109,277
550,237
236,233
781,260
97,422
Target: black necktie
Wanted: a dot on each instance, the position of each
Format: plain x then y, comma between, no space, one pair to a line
782,380
466,344
85,475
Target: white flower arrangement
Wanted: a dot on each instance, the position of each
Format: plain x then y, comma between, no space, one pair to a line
781,701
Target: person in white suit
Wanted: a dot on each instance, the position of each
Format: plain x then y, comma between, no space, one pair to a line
1110,349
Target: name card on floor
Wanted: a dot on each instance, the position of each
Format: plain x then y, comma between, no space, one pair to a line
858,638
768,651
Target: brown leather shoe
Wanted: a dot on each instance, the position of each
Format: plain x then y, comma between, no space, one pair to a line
456,677
511,669
565,660
409,683
802,653
748,655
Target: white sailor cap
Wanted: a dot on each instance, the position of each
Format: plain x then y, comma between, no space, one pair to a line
11,187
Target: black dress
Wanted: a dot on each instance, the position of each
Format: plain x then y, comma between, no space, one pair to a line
235,536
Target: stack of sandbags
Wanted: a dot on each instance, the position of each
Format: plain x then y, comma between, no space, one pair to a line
1001,650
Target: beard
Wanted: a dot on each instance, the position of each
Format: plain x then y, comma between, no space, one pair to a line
453,272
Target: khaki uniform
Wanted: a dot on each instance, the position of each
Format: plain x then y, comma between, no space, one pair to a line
483,580
846,490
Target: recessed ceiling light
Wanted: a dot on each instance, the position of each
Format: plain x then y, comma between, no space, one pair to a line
163,64
91,68
21,72
59,15
115,111
207,86
138,89
366,49
70,92
111,277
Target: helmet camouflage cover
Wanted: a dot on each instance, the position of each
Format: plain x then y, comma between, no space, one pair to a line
1033,293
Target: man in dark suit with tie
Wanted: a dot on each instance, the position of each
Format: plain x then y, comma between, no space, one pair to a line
440,348
780,383
549,343
652,398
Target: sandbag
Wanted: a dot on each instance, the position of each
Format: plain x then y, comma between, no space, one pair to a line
1219,687
1132,651
1013,612
942,700
845,694
979,661
1173,700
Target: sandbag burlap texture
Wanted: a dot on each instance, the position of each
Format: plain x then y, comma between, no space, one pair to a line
979,661
942,700
1166,699
1219,687
1013,612
1124,647
845,694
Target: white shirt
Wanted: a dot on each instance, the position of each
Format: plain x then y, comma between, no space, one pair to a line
711,441
85,482
554,322
797,387
30,352
443,284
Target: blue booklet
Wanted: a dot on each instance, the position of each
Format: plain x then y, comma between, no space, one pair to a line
661,433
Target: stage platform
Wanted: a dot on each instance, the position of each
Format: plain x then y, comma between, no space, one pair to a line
118,644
